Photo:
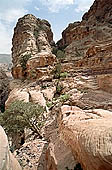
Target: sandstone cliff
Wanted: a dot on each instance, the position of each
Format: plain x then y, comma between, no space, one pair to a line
31,51
88,43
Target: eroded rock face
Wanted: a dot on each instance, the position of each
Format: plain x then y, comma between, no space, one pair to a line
17,94
31,43
88,43
100,10
58,155
7,160
88,133
105,82
4,89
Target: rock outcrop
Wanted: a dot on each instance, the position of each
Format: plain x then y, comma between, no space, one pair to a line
58,155
105,82
88,44
100,11
7,160
88,133
4,89
31,51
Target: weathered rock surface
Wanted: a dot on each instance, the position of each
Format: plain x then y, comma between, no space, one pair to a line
58,155
88,133
4,89
31,51
88,43
100,11
17,94
7,160
105,82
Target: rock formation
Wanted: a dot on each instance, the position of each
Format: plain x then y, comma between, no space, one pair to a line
4,89
78,102
31,51
7,160
88,133
88,43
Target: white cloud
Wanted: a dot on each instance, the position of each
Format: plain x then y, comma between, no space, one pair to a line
10,11
5,39
12,15
56,5
36,8
83,5
7,21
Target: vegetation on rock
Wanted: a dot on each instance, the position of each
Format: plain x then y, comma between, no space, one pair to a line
21,115
23,60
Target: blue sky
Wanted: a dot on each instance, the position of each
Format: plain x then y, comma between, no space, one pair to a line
58,12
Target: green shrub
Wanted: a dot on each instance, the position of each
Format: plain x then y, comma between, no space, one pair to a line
33,74
50,105
57,71
64,97
21,115
63,75
60,54
23,60
54,50
36,33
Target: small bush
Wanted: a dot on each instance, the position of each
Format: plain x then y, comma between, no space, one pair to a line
50,105
54,50
60,54
59,87
57,71
21,115
64,97
63,75
36,33
33,74
23,60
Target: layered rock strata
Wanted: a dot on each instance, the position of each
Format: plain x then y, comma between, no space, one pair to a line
31,51
88,44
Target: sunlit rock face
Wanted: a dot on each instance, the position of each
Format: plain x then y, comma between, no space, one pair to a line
7,160
31,43
88,133
88,44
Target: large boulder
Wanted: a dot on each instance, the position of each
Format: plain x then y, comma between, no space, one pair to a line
7,160
89,134
58,155
17,94
105,82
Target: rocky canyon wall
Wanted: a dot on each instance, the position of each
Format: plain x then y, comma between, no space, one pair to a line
88,44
